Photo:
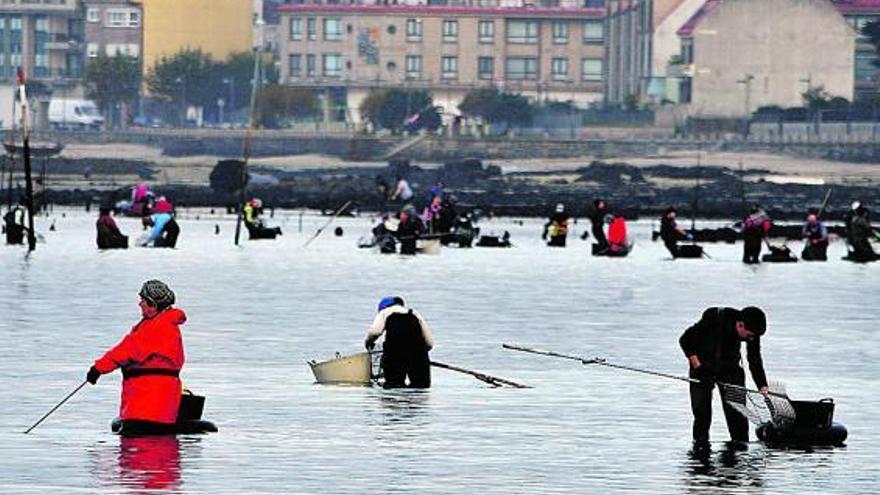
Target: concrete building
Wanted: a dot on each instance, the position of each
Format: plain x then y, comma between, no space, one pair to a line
217,27
867,76
346,50
44,38
113,26
628,47
745,54
669,16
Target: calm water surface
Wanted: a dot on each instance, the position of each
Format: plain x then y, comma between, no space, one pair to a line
259,312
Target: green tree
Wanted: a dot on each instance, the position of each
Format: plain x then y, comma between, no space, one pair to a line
278,104
398,109
236,73
189,77
112,81
495,107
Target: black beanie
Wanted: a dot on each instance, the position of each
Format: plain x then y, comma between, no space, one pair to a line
754,320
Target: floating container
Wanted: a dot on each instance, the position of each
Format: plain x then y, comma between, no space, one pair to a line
354,369
813,426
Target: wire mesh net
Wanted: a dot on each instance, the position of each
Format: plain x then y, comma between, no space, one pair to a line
774,408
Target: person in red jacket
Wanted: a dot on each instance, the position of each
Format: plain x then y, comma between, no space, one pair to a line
150,357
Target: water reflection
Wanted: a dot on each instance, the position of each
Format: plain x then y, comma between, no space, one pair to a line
733,466
403,405
142,464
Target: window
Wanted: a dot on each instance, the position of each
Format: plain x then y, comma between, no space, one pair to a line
522,68
559,69
93,15
295,62
123,18
486,31
311,28
864,66
332,29
560,32
332,65
310,65
594,31
522,31
591,69
450,31
858,23
485,67
413,66
449,66
296,28
413,30
92,50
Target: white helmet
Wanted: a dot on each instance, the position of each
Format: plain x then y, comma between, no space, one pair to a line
856,205
560,208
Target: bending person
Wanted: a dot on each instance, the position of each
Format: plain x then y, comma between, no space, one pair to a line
407,343
150,357
712,347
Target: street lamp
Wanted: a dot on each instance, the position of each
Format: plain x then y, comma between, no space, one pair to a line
231,82
747,82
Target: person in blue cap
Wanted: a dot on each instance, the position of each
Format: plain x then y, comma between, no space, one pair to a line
407,343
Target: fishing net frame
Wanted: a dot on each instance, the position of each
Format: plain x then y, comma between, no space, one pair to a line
774,408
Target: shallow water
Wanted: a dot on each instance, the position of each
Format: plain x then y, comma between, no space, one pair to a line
259,312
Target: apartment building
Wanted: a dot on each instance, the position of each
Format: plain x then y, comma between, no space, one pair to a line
44,37
858,13
554,51
113,26
741,55
628,46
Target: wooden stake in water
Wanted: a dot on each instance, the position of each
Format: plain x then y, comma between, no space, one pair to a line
26,152
246,148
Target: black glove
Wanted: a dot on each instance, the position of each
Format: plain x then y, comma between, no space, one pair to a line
93,375
370,344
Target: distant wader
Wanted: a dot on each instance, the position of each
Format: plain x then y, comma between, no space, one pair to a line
404,353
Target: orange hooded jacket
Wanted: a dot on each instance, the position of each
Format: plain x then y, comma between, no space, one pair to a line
150,356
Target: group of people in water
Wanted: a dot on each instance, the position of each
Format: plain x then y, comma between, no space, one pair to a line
151,357
156,213
439,219
755,230
615,243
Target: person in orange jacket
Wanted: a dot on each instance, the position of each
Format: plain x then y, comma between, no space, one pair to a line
617,237
150,357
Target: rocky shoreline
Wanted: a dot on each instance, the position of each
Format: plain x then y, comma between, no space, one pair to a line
719,192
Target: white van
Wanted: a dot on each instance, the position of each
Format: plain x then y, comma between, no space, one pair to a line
74,114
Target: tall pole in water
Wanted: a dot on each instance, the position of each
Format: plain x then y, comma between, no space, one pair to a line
246,149
26,152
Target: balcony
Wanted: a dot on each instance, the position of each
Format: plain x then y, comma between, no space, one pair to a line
62,42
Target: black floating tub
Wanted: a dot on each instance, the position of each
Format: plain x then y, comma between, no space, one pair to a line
813,426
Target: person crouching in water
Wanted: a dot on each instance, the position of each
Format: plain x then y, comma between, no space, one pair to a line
165,229
712,347
409,229
670,232
407,343
755,228
815,236
150,357
109,236
557,227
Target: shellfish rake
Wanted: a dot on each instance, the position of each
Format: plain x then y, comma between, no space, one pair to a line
775,407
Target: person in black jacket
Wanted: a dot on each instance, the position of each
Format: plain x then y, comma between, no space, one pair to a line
407,344
598,221
712,347
670,232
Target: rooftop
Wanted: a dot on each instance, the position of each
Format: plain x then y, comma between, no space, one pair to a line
554,8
